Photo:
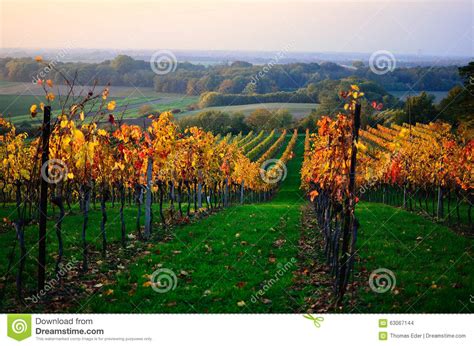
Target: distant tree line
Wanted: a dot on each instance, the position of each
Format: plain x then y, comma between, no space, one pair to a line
122,71
236,78
212,98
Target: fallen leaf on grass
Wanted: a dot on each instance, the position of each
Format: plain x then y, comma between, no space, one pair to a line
279,242
241,284
109,292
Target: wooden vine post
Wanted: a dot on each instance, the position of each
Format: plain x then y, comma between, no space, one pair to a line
43,205
349,234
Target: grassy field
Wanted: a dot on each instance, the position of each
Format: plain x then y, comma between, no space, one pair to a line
298,110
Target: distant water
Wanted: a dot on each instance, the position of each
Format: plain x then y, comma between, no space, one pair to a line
439,95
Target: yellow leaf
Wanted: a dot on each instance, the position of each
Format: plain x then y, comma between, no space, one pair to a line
33,108
50,96
361,147
78,135
81,116
49,82
24,173
355,87
147,284
111,105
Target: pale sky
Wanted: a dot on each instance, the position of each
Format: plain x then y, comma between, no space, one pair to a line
443,27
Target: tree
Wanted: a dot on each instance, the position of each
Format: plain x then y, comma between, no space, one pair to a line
123,63
258,119
458,106
227,86
420,108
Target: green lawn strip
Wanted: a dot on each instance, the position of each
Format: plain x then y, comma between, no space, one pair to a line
431,263
221,261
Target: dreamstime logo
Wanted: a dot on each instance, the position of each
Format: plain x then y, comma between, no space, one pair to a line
382,62
19,326
53,171
382,280
163,62
273,171
163,280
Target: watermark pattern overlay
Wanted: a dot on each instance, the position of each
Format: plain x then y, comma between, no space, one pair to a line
53,171
279,273
163,280
269,65
19,326
163,62
382,280
51,284
273,171
50,66
382,62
